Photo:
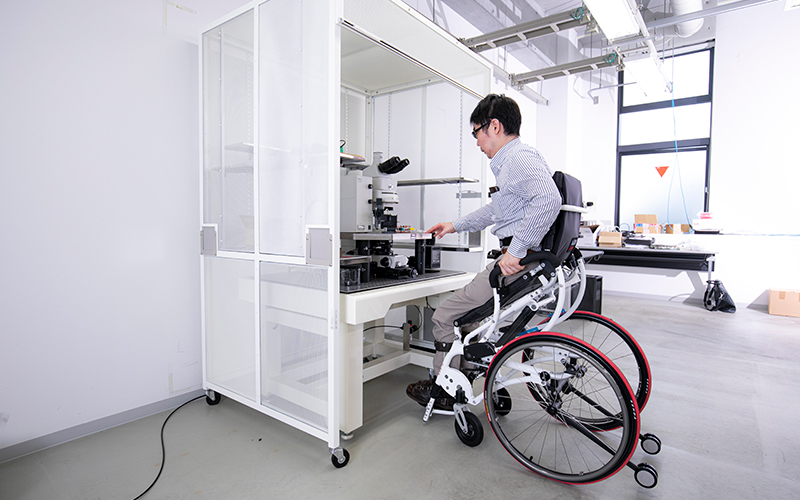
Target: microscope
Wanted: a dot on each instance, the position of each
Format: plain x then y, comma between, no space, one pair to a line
369,201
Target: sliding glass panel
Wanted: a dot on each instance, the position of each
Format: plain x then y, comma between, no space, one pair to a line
298,94
228,132
294,342
230,325
294,123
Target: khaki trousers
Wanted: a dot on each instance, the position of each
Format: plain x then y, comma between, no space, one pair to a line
474,294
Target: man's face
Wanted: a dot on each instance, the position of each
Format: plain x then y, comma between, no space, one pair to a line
486,135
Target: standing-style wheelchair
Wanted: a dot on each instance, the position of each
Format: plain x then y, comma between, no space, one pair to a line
563,389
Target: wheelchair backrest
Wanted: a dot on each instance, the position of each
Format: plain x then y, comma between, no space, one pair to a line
563,234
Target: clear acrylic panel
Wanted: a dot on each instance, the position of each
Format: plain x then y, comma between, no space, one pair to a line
294,123
352,124
676,197
443,148
228,71
667,124
294,342
689,74
230,325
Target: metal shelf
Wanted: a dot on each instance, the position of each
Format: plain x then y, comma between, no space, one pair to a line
441,180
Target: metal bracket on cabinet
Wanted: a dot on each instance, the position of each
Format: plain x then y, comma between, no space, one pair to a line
208,239
319,246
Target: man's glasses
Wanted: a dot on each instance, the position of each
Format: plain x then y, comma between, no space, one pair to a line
475,132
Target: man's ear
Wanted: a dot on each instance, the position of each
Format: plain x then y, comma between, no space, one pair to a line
500,129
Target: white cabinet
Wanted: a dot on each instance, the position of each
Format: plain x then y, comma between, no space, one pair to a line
283,82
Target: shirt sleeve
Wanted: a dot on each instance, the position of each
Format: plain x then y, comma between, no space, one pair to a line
475,221
533,183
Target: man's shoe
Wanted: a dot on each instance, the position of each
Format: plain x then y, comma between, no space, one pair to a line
421,393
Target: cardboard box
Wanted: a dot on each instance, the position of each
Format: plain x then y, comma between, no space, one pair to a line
610,239
678,228
646,223
784,302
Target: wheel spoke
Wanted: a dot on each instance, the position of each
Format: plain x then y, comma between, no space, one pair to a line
551,426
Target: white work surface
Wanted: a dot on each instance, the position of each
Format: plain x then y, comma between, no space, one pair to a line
355,309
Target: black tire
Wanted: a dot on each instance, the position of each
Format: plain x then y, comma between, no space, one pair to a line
213,397
646,475
651,444
554,435
335,461
474,436
616,343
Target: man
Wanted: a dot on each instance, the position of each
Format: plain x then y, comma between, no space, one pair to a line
522,210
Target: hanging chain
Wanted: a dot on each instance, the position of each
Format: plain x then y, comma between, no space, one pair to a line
460,149
346,118
250,131
389,138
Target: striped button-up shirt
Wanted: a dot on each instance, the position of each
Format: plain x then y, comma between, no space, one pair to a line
526,204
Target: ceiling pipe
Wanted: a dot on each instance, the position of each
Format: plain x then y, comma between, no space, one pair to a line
683,7
720,9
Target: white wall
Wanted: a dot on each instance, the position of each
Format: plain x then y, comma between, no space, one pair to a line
99,196
755,166
754,169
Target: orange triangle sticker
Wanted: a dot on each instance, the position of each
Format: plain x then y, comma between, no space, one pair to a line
661,170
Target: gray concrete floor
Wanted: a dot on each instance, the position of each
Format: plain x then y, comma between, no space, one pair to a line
725,399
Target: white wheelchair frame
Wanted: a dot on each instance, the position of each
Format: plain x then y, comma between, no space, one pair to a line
556,290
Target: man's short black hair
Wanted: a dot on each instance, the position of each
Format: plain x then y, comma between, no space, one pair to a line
501,107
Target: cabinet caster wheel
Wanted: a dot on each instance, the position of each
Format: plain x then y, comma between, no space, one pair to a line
474,435
646,475
651,444
339,463
213,398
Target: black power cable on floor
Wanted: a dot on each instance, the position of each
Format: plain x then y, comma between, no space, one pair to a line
163,449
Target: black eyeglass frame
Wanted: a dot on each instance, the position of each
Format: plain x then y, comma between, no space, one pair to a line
475,131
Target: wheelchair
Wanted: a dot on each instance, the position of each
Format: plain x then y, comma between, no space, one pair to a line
563,389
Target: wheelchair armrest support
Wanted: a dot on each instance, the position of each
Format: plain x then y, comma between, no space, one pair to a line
547,257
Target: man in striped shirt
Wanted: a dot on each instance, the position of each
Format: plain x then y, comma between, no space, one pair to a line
522,210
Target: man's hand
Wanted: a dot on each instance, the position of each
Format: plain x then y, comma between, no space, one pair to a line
441,229
510,265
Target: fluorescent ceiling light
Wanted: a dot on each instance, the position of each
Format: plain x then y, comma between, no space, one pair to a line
616,18
647,73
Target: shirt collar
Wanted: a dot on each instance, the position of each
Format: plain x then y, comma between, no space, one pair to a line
501,155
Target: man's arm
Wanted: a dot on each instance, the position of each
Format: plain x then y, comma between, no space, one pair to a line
442,228
476,220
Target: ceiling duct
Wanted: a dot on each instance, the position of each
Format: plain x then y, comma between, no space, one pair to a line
681,7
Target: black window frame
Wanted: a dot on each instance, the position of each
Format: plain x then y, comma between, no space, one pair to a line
703,144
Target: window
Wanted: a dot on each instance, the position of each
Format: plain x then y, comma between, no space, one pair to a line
664,144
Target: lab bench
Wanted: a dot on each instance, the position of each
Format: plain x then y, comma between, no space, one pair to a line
364,308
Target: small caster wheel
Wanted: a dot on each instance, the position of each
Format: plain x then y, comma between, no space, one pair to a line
474,436
502,402
651,444
213,398
344,460
646,475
